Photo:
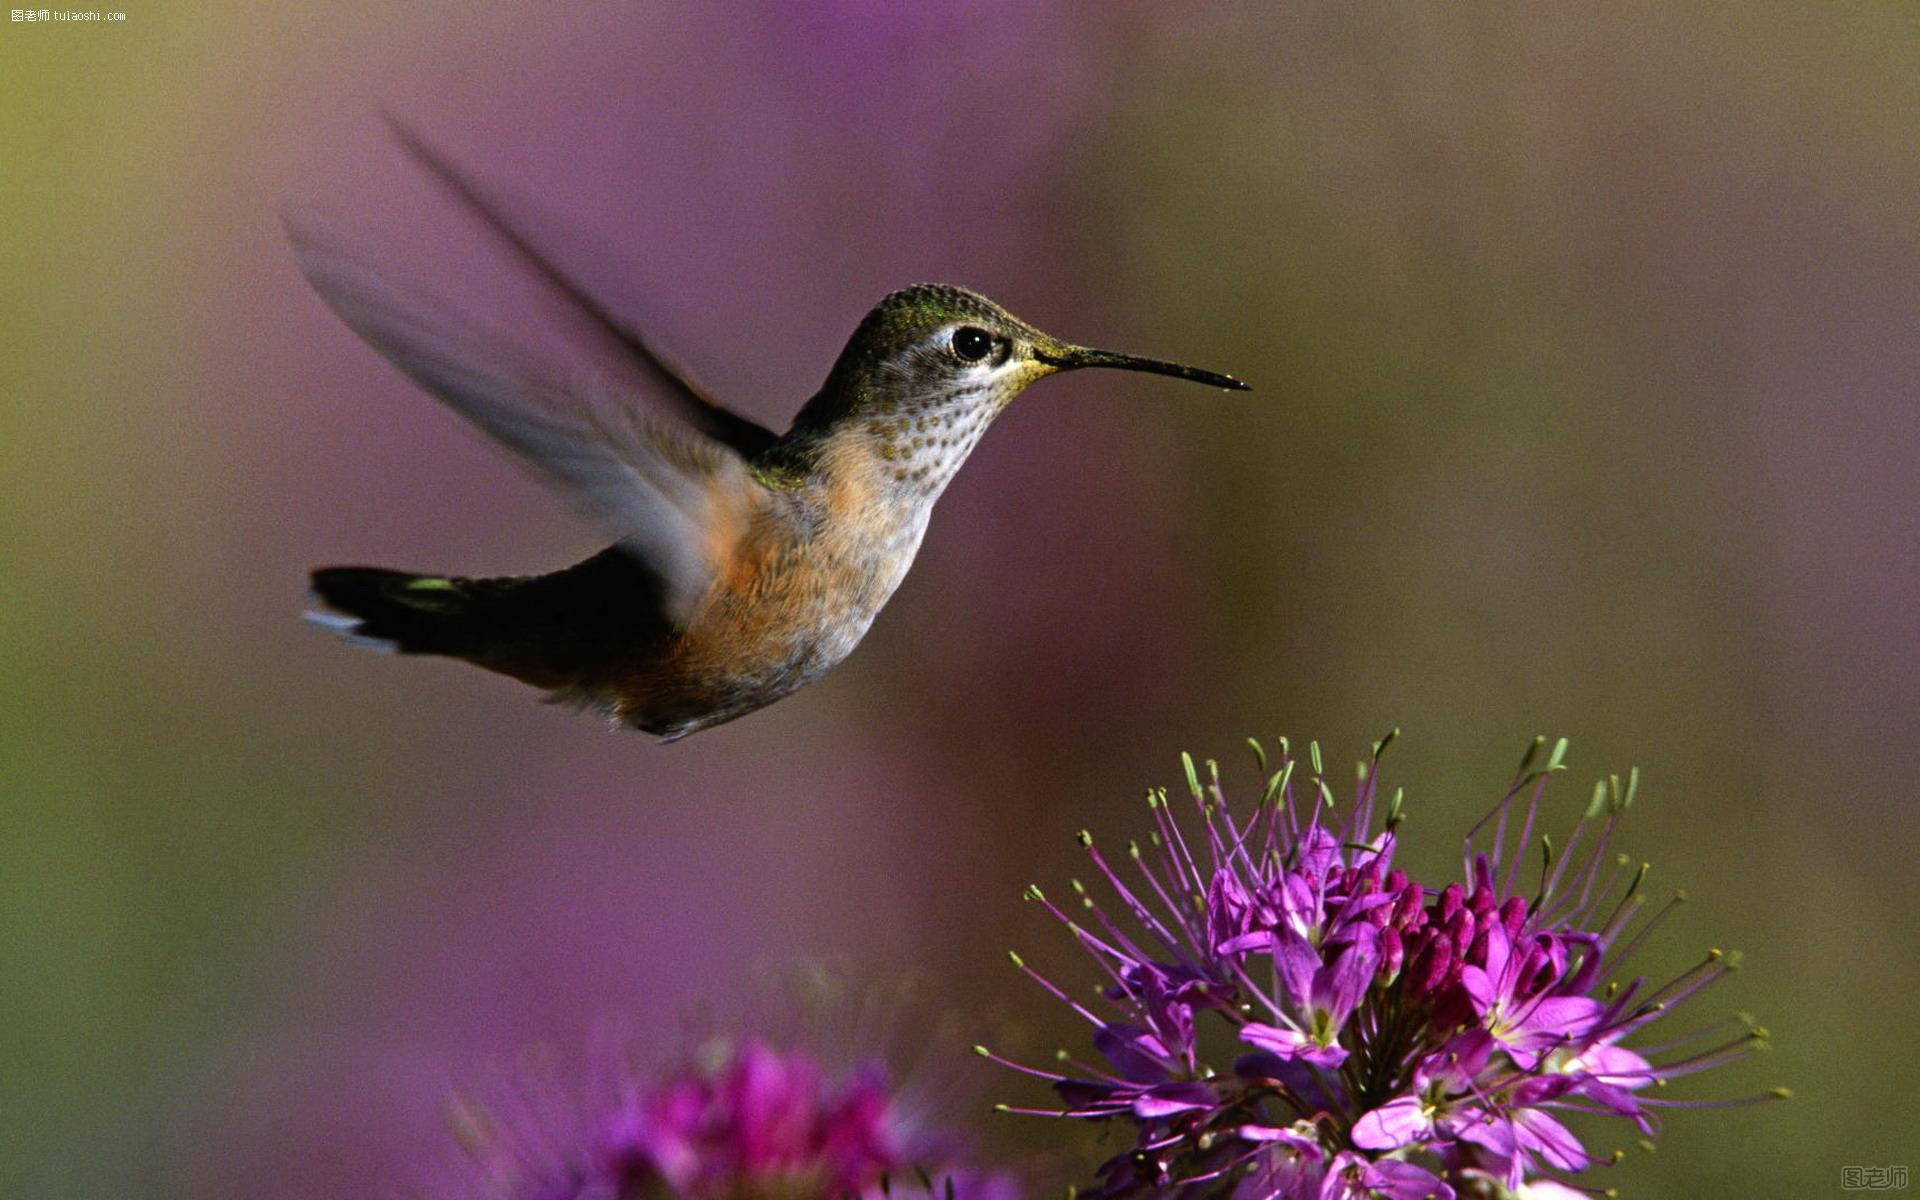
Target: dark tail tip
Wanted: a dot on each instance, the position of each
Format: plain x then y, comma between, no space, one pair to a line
391,611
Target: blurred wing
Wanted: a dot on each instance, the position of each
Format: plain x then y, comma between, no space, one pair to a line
669,385
674,497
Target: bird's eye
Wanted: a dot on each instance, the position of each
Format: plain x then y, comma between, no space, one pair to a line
970,344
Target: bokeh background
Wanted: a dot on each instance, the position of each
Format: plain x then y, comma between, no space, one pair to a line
1586,354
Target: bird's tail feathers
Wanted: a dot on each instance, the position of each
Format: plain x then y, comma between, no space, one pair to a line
402,612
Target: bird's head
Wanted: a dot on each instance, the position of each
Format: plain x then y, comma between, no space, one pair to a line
946,357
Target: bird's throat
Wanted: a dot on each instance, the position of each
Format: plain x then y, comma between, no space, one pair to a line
917,449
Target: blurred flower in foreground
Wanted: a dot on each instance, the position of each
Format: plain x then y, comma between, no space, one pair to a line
1379,1038
741,1119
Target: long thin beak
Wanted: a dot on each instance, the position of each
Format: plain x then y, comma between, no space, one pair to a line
1075,357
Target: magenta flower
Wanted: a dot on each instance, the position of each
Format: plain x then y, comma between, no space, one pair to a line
1353,1176
1386,1038
749,1122
1525,1023
1331,991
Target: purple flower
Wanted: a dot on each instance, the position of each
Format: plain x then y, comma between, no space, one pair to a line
1353,1176
1331,991
745,1121
1392,1039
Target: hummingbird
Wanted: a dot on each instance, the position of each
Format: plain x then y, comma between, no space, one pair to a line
747,564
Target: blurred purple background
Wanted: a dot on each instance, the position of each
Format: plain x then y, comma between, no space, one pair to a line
1585,351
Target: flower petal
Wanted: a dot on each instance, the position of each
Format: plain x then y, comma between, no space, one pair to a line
1396,1123
1537,1131
1175,1098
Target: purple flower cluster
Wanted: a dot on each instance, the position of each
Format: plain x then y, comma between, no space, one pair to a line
750,1122
1294,1017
